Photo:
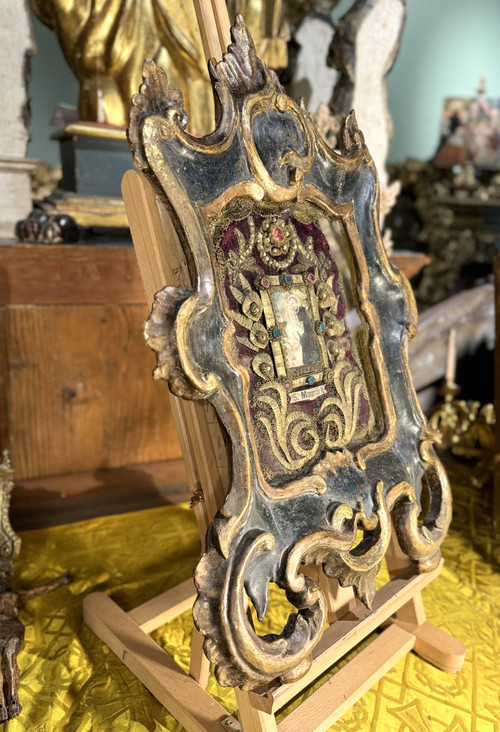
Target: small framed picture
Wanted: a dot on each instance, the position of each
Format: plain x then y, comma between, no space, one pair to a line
470,132
296,332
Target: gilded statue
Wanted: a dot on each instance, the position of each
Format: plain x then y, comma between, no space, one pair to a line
106,41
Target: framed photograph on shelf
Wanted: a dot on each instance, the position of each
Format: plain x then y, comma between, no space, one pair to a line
470,132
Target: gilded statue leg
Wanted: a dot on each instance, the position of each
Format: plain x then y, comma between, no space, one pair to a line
12,673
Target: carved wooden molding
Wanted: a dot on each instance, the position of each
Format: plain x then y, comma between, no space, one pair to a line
310,380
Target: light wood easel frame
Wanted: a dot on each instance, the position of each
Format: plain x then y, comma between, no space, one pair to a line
398,606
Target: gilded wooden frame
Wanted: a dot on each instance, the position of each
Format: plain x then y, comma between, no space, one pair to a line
303,482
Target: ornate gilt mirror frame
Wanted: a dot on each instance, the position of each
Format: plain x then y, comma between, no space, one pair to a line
301,346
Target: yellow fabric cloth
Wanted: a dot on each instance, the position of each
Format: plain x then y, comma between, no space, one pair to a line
70,681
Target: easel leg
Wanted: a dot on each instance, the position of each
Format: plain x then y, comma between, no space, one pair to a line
252,719
199,666
399,565
343,599
432,643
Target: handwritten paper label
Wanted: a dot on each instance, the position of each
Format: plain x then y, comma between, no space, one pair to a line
307,395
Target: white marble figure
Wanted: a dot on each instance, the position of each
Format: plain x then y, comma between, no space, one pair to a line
16,45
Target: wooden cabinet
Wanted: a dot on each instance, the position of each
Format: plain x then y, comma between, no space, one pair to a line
76,391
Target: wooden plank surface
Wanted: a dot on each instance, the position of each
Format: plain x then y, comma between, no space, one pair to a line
80,397
161,475
4,382
59,274
64,499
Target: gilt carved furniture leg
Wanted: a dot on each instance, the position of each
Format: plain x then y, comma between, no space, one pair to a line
4,713
10,653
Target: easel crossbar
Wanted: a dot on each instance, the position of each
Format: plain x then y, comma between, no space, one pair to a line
344,635
349,684
165,607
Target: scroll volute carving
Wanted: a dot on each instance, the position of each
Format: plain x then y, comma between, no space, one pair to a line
309,376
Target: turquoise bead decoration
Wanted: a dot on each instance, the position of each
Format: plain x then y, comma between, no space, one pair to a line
310,380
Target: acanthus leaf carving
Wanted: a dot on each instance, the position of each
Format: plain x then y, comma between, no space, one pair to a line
160,336
154,97
241,71
351,140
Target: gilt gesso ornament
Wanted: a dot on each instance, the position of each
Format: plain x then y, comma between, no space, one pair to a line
309,377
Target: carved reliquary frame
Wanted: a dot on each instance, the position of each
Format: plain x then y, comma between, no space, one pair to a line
300,344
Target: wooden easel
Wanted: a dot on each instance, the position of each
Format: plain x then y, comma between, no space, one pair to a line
398,606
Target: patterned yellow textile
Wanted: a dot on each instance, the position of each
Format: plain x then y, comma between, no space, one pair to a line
70,681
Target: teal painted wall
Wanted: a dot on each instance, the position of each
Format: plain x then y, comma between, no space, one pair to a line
447,46
52,83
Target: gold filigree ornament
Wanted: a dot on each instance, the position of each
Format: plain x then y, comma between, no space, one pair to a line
277,243
326,433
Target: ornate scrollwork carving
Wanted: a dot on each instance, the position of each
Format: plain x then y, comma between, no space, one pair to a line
241,71
154,98
311,381
160,336
10,543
